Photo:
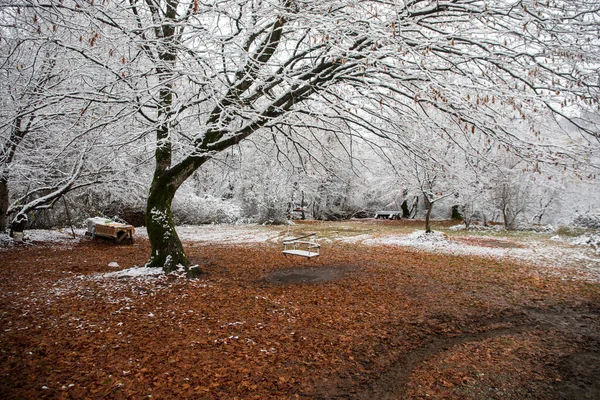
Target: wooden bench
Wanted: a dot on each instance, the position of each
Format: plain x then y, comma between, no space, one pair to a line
389,214
102,227
302,248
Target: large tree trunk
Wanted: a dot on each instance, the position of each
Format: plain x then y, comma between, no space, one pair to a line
3,204
167,250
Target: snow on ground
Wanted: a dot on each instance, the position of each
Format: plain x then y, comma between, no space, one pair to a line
437,242
225,234
561,254
54,236
134,272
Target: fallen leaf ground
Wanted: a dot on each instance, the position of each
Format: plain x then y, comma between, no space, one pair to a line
359,322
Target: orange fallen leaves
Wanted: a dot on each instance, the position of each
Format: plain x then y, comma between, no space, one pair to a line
233,333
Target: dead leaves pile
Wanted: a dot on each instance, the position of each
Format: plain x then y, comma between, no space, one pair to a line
68,331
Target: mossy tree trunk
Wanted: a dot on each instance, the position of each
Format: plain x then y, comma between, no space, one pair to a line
167,250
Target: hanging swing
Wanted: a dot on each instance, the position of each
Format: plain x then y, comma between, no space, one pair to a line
303,248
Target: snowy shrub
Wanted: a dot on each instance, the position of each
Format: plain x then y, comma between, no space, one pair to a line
543,228
587,239
134,214
191,209
264,205
272,211
594,241
493,228
591,221
80,208
5,240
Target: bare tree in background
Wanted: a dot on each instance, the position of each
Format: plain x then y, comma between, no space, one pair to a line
38,158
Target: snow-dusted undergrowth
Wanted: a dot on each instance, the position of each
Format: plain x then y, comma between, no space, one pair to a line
55,236
592,240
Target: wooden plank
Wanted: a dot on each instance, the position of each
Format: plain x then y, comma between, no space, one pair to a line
309,244
302,253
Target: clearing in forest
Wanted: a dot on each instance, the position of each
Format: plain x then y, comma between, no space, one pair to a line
383,313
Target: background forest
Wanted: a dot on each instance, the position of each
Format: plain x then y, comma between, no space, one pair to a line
261,182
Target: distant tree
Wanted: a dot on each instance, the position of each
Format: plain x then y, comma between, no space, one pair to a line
429,177
519,192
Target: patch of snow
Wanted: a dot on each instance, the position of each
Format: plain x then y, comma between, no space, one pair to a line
134,272
113,264
53,236
226,234
588,240
418,239
558,259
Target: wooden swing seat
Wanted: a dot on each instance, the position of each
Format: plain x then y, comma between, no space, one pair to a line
302,248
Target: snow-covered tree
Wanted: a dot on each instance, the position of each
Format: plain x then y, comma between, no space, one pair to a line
46,124
203,76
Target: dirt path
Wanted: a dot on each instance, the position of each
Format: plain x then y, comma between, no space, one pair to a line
579,371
